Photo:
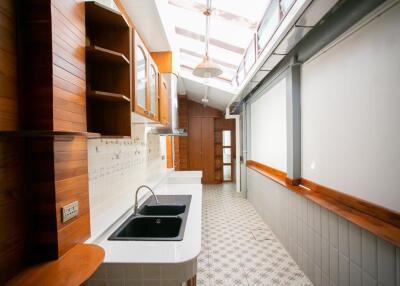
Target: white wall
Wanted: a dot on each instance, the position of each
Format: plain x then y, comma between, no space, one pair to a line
116,168
268,127
351,114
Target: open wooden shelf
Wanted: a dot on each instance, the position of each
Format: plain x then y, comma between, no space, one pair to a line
100,15
108,96
108,71
103,55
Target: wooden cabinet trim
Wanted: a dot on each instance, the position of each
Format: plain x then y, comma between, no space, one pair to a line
137,42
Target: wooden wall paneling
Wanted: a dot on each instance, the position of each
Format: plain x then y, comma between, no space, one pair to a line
207,147
196,109
36,65
8,67
188,111
181,144
43,218
15,218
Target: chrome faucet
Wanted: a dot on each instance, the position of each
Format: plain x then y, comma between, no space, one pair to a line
136,199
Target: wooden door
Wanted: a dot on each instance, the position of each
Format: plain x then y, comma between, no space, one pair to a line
195,143
207,146
201,147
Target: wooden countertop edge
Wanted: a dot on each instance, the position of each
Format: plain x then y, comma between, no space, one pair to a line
380,228
71,269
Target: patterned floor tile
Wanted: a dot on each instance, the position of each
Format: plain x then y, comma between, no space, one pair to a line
238,248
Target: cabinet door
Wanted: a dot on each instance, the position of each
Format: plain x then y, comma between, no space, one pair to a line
153,90
163,91
201,147
141,75
195,162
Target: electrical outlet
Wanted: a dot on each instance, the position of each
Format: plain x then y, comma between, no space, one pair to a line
69,211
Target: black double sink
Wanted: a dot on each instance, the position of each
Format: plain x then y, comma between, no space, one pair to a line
163,221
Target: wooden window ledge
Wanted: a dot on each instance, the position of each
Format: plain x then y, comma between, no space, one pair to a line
71,269
378,220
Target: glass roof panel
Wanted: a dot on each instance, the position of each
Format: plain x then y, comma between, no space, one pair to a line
215,52
249,9
232,28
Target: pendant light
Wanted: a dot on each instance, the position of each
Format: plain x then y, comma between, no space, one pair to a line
207,68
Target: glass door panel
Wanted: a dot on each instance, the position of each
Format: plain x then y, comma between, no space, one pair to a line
226,155
141,64
153,90
227,172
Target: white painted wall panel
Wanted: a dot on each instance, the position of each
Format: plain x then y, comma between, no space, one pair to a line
268,127
351,114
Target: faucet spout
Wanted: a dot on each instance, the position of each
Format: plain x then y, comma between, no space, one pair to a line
136,197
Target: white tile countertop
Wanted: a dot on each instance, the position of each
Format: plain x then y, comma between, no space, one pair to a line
161,251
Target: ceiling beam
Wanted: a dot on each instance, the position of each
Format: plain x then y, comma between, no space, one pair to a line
214,42
225,15
197,55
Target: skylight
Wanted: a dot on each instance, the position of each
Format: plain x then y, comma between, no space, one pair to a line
233,24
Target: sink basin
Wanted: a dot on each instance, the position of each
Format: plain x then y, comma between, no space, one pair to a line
159,222
151,227
167,210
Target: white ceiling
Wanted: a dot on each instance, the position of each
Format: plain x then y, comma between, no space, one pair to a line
148,23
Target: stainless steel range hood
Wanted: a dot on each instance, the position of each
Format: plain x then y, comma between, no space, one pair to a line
172,128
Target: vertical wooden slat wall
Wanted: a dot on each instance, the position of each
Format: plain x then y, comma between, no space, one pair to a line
42,88
69,73
181,143
69,109
190,113
13,217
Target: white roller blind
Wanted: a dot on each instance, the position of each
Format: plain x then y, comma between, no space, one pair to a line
268,127
350,114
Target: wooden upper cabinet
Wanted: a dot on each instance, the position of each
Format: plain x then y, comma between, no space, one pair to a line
140,74
153,90
163,94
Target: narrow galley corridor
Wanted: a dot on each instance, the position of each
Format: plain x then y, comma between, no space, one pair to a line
238,248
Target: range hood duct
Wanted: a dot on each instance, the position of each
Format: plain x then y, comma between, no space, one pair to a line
172,128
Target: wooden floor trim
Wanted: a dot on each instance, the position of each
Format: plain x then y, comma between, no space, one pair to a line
380,221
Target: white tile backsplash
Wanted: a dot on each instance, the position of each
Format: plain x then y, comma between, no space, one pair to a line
116,168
